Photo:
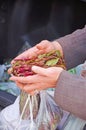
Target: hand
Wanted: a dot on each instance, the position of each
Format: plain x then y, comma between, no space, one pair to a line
42,47
43,79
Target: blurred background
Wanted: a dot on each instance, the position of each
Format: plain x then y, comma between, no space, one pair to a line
30,21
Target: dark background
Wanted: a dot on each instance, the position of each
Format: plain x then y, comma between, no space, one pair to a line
35,20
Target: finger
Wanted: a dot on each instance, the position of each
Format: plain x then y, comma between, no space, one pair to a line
9,71
28,79
19,79
26,54
32,87
20,85
31,92
25,80
43,44
22,55
39,70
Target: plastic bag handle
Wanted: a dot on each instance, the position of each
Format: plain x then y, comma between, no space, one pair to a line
28,99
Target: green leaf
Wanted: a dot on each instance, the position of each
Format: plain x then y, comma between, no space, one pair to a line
50,53
58,53
52,62
41,56
73,71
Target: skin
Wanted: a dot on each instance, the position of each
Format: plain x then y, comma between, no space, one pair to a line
70,91
42,47
48,77
65,96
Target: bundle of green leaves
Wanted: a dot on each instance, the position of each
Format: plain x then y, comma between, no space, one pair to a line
22,67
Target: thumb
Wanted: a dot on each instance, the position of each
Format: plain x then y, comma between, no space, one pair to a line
40,47
39,70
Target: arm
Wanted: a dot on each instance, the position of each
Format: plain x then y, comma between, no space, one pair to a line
70,93
74,47
70,90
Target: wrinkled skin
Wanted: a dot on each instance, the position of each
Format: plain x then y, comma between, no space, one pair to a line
42,47
44,77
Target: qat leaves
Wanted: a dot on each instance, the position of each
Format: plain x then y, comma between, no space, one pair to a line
52,62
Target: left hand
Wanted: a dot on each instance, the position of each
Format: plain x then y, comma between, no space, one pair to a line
44,78
40,48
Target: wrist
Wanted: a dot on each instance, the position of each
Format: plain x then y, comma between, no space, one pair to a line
58,71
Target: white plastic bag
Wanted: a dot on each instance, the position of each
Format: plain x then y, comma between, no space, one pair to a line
10,118
49,114
2,69
46,116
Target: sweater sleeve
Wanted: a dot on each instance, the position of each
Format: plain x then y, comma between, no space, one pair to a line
74,47
70,94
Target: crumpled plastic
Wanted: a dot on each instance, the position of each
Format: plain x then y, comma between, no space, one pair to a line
2,69
47,115
10,87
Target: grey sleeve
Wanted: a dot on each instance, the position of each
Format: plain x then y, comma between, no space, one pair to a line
74,47
70,94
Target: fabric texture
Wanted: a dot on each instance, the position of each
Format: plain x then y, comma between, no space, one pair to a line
70,92
74,47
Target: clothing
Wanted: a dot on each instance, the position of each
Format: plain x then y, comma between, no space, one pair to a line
74,47
70,92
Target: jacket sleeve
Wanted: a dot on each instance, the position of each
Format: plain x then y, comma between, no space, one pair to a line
74,47
70,94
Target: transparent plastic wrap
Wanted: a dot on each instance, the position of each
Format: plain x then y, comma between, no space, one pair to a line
38,112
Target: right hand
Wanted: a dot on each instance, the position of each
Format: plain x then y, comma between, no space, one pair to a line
44,78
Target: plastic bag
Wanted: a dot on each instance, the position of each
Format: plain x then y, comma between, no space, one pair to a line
79,70
10,87
2,69
39,113
49,114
